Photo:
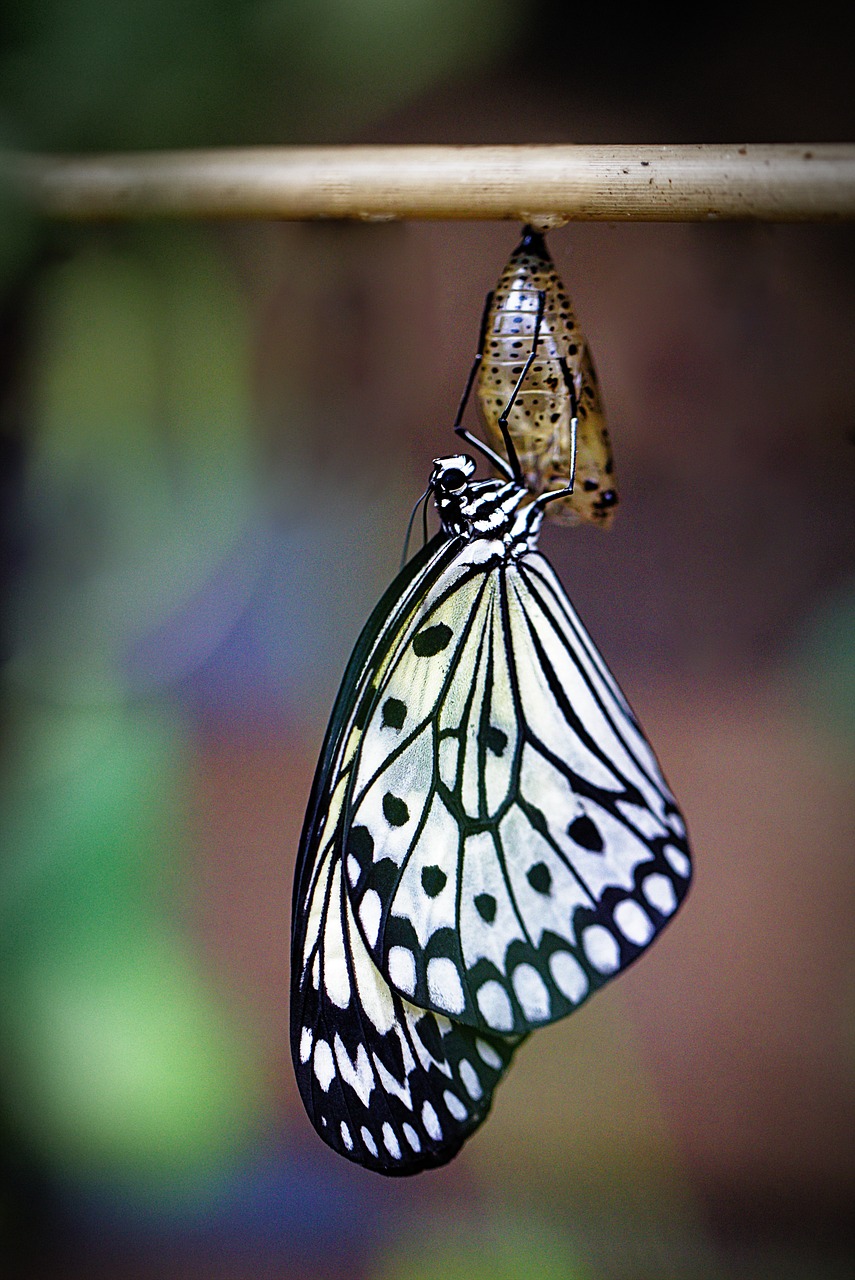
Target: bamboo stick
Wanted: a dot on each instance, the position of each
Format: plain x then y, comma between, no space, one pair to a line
549,185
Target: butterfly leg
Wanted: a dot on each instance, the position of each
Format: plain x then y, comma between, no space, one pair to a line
552,494
510,468
498,462
505,414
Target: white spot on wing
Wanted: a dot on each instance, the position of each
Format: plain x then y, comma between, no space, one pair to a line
305,1044
430,1120
444,985
323,1064
488,1054
676,823
368,1139
659,892
495,1006
353,869
374,994
336,979
370,909
390,1141
358,1074
387,1081
633,923
568,975
412,1137
455,1106
531,992
678,860
345,1136
471,1083
601,948
402,969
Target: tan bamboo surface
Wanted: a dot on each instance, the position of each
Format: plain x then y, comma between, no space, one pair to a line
548,185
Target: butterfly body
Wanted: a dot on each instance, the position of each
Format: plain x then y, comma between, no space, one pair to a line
489,838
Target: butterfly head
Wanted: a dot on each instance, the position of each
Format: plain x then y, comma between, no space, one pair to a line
450,484
451,475
481,508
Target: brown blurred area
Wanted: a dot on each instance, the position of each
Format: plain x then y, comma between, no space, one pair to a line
697,1119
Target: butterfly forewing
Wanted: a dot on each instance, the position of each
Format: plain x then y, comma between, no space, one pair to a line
509,815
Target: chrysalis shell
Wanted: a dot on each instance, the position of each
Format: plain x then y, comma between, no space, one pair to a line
539,421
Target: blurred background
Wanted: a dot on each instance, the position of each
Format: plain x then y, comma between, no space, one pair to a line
211,439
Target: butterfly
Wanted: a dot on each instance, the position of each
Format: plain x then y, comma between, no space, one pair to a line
561,386
489,837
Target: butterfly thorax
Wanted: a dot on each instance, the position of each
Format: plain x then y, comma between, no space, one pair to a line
490,509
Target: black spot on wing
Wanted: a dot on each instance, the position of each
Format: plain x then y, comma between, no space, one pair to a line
395,810
540,878
394,713
495,740
584,831
432,640
361,845
485,905
383,876
433,881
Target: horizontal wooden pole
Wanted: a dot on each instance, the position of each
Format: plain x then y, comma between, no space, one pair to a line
548,185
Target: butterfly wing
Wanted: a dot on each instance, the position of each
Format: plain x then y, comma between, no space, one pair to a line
509,841
388,1084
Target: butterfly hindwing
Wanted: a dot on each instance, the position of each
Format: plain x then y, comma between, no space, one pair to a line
392,1086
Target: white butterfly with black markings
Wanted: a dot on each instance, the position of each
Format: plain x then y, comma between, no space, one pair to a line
489,837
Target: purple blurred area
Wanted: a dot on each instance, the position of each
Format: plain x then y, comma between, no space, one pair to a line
212,439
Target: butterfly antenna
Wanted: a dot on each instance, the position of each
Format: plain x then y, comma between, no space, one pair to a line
422,499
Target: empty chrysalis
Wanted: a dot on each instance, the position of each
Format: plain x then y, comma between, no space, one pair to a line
562,381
